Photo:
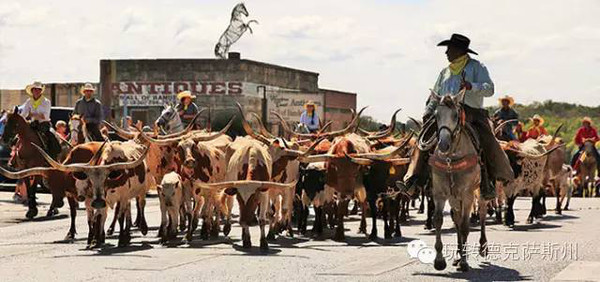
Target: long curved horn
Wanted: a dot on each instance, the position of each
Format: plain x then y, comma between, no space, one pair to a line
248,128
306,153
388,131
325,127
532,156
201,138
359,161
246,184
262,128
126,165
316,158
552,142
97,155
365,132
385,156
348,129
122,133
417,123
187,130
55,164
501,125
43,171
400,161
287,129
197,136
84,167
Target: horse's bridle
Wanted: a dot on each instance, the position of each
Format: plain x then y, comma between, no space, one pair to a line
460,123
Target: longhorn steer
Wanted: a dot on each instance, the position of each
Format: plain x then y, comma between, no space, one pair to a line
170,194
529,161
376,178
248,177
61,183
344,176
116,173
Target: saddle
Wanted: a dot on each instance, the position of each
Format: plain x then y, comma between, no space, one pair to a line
48,139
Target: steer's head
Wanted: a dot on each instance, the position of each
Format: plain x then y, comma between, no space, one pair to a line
170,189
186,148
109,168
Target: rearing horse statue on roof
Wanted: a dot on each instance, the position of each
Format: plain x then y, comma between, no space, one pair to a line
234,31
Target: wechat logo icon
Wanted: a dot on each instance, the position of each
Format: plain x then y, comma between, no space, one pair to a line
418,249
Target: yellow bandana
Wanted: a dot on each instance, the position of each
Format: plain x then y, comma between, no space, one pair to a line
457,66
36,103
185,107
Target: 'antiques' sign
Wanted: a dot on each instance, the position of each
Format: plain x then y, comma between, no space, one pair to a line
143,93
291,105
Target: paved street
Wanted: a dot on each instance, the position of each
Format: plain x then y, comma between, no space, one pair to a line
32,251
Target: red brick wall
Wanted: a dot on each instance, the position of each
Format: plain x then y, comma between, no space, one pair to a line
337,106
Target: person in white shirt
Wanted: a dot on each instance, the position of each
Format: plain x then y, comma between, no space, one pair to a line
37,109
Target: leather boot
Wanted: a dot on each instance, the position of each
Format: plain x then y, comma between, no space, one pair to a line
487,187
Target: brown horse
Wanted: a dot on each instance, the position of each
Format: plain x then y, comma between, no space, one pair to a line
587,168
27,156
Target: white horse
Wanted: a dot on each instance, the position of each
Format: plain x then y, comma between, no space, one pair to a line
169,120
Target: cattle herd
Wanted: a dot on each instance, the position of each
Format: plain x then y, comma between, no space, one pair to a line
199,175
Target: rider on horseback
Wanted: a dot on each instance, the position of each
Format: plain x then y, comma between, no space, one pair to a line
37,109
186,108
537,129
586,133
469,74
90,109
506,113
309,117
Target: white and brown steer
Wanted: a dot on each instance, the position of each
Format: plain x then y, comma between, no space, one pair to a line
116,174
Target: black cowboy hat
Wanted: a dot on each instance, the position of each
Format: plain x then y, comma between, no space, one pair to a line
458,40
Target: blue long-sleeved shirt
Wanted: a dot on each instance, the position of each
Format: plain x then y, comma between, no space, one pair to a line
475,73
311,122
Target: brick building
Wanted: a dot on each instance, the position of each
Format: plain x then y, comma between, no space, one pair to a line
140,88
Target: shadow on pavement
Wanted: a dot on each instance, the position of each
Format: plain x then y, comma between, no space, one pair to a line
558,217
487,272
534,227
109,250
39,218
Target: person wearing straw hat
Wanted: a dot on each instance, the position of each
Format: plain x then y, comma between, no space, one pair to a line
37,109
464,72
90,109
584,133
505,113
537,129
309,117
186,108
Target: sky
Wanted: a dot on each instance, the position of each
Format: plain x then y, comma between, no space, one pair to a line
384,50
